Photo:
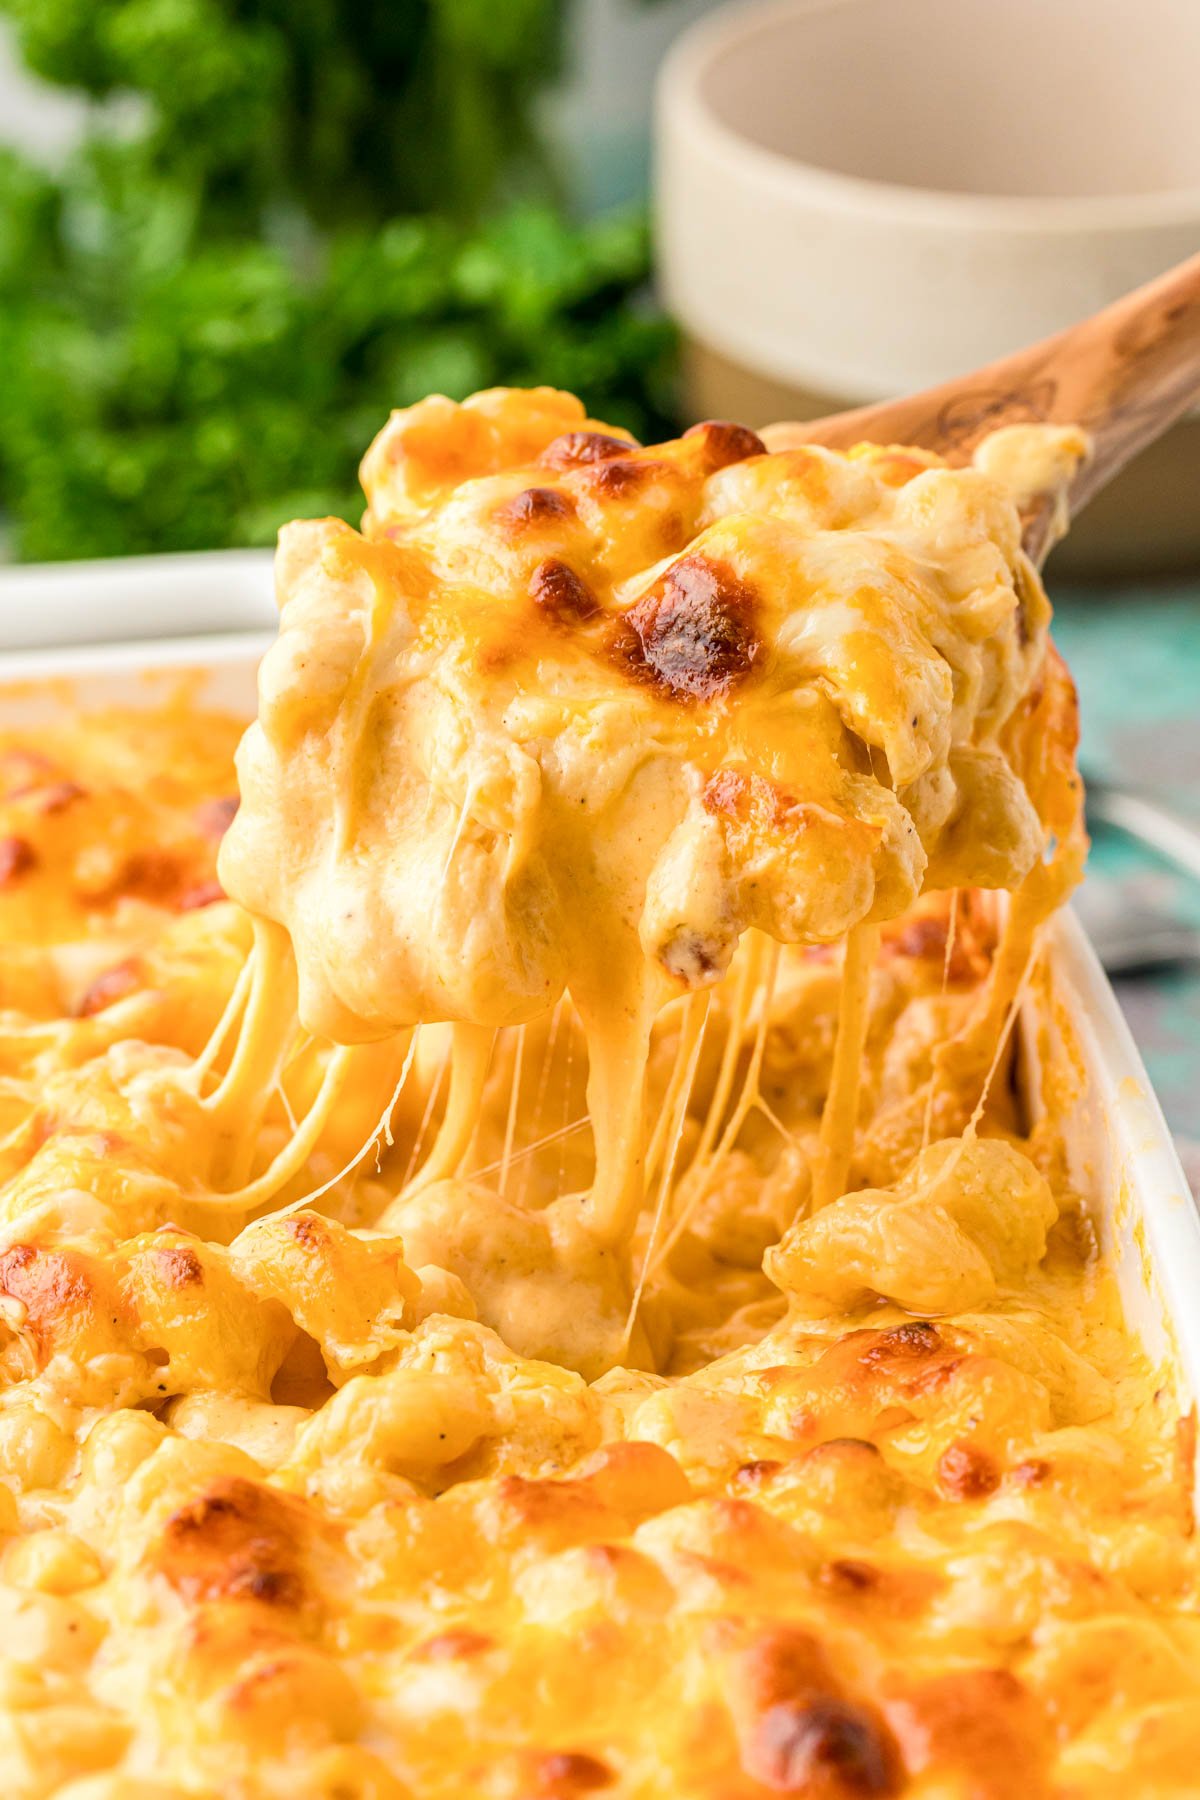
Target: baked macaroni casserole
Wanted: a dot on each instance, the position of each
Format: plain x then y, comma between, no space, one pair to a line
533,1273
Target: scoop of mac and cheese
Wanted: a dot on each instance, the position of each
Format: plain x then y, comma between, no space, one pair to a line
578,713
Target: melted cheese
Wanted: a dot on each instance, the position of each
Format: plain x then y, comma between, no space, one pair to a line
341,1453
577,715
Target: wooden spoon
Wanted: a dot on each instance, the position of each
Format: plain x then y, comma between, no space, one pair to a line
1124,375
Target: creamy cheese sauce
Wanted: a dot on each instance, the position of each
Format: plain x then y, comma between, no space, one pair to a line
576,715
560,1296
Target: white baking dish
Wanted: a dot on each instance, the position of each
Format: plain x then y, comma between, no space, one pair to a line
1121,1153
125,598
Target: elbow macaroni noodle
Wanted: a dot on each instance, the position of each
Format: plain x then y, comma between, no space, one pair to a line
549,1290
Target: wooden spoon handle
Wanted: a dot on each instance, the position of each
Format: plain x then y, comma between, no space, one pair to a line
1125,375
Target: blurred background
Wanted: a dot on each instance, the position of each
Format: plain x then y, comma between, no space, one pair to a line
234,233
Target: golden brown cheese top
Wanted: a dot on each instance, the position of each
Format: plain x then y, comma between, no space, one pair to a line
575,711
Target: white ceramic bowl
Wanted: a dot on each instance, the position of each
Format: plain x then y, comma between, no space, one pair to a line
862,197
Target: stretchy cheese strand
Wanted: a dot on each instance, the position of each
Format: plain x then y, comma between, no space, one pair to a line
382,1130
1004,1034
951,929
618,1041
749,1093
528,1151
510,1123
233,1010
675,1107
238,1103
431,1100
836,1145
693,1025
739,1012
748,1098
471,1056
543,1082
336,1082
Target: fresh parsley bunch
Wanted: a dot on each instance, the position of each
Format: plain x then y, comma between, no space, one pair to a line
287,216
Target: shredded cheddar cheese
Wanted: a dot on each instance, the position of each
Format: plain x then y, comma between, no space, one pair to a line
552,1289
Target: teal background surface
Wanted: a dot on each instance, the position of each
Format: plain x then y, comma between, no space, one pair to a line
1135,654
